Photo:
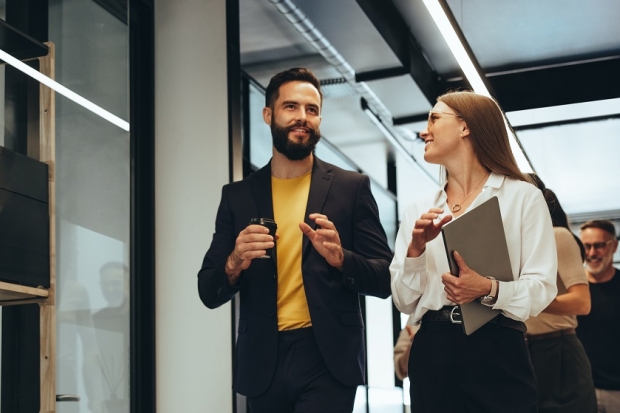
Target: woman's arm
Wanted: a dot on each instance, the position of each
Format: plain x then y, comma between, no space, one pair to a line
576,300
409,268
401,351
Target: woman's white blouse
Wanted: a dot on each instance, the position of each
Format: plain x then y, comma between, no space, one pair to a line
416,282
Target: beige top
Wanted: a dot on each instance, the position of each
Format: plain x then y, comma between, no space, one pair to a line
570,272
402,348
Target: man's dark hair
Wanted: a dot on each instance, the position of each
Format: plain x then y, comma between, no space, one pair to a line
299,74
114,265
603,224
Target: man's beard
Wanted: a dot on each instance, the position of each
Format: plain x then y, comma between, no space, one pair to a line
293,150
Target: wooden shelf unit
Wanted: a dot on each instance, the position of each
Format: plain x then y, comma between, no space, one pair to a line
43,149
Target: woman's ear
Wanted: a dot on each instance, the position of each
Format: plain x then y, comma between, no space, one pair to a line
465,131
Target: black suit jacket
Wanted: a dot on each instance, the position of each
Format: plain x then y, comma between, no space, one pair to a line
333,296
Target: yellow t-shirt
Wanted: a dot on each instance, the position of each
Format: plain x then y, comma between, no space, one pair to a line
290,197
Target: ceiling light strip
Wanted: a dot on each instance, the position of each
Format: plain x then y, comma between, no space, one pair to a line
52,84
471,73
456,47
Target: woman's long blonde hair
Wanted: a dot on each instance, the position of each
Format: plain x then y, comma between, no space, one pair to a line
487,131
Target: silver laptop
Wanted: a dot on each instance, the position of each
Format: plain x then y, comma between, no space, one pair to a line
479,237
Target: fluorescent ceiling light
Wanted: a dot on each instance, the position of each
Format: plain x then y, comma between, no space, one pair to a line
470,72
52,84
455,45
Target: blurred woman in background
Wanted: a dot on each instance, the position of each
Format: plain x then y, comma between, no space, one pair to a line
560,363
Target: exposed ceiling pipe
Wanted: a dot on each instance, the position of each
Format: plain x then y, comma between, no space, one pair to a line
305,26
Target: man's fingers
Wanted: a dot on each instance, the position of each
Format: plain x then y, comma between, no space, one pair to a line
255,228
328,234
306,229
332,246
246,251
325,223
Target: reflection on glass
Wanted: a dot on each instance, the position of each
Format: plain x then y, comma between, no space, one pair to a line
92,207
92,322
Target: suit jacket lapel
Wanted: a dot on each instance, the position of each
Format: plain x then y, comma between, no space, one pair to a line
261,189
320,183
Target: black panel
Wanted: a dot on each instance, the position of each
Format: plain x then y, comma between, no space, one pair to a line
380,74
561,85
392,27
142,244
540,87
18,44
16,109
24,220
23,175
20,359
30,17
403,120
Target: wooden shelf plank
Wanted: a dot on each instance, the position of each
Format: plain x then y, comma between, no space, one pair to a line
12,292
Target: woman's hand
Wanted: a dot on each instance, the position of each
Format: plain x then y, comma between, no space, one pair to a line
468,286
426,230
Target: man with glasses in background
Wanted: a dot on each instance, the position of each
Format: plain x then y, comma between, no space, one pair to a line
599,331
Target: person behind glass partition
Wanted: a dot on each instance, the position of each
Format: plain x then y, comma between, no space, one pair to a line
560,363
599,330
489,370
112,331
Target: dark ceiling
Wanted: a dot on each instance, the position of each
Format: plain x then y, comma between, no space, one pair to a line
533,54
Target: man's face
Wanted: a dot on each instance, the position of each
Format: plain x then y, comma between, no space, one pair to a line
114,286
600,248
295,119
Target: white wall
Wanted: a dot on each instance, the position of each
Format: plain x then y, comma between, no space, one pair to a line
191,157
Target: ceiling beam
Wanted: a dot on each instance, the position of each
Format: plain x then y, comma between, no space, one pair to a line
380,74
392,27
555,85
403,120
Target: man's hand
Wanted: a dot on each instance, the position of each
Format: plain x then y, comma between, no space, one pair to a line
251,243
325,239
468,286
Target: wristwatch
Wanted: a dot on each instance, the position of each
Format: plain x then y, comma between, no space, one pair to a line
489,300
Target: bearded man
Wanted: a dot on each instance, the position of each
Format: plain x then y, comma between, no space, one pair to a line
300,344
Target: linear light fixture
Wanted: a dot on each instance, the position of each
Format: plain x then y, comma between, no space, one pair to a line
52,84
470,72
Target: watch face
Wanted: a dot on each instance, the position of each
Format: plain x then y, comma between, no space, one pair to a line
487,300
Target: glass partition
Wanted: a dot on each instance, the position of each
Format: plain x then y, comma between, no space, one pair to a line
93,206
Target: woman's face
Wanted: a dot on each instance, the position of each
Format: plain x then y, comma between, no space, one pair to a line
443,134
